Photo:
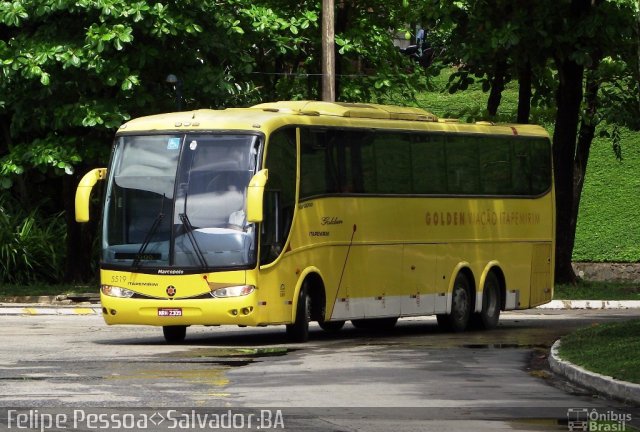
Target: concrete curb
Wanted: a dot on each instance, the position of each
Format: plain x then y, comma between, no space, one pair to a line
591,304
35,309
622,390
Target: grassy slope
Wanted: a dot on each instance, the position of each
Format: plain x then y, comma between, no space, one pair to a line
611,349
594,290
609,219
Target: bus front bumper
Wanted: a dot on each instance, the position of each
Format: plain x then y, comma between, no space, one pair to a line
159,312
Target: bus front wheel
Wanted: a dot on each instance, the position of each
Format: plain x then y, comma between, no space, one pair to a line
299,330
174,334
328,326
461,303
331,326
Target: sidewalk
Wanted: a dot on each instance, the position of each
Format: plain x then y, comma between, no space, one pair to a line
71,304
591,304
44,309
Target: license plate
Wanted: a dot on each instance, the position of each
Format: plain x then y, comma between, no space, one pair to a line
169,312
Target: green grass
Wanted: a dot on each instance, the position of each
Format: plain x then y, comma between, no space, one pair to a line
471,104
592,290
611,349
609,219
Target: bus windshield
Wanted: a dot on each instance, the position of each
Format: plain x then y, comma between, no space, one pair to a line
179,201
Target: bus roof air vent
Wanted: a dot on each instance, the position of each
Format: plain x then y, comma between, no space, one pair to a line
352,110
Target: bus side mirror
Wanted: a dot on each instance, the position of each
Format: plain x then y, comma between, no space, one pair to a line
255,196
83,192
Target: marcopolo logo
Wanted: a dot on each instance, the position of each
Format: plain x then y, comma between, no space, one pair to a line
581,419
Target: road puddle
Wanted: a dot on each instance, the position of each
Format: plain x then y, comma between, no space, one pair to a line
504,346
214,377
248,354
203,368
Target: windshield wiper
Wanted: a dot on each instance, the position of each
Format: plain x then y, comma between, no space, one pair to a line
147,238
194,242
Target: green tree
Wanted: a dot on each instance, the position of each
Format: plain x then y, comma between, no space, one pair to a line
594,31
561,50
72,71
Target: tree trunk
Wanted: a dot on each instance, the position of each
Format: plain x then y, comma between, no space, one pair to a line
343,13
328,51
524,93
585,138
568,97
637,71
497,87
5,129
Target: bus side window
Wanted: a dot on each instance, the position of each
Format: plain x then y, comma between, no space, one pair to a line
463,174
280,194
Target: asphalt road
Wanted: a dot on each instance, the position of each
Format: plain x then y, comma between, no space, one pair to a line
412,378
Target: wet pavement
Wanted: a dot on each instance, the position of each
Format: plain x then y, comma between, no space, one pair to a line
414,377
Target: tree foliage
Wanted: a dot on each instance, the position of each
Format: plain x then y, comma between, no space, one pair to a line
72,71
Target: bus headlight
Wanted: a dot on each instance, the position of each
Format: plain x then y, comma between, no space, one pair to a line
114,291
233,291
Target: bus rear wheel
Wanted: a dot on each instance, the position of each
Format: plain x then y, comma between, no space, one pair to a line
174,334
488,318
461,303
299,330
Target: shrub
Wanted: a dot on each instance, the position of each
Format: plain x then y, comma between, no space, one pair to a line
32,245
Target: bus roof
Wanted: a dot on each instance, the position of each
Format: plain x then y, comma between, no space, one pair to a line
267,117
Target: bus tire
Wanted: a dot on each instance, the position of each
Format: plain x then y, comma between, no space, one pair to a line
299,330
174,334
375,323
331,326
461,304
328,326
488,318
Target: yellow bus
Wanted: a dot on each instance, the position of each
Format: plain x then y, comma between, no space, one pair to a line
291,212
